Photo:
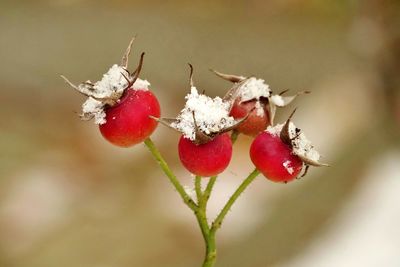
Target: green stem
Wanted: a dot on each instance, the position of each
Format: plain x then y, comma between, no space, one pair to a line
218,221
210,185
164,166
197,187
234,136
200,208
201,215
211,251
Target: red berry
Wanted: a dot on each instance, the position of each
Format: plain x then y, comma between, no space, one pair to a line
128,122
256,122
207,159
274,159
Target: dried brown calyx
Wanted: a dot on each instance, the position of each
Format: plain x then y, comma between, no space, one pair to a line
298,142
246,89
203,117
108,90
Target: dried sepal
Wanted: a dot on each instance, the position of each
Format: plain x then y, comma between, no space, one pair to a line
200,137
232,94
311,162
88,88
165,121
281,101
203,118
125,57
110,88
229,77
234,126
292,137
135,75
191,83
285,135
266,98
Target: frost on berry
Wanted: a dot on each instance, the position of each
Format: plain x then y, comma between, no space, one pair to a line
298,142
108,91
288,166
209,114
203,117
251,89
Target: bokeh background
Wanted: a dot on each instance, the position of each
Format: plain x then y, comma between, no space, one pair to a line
68,198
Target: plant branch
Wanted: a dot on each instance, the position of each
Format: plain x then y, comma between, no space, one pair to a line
218,221
234,136
210,185
171,176
197,187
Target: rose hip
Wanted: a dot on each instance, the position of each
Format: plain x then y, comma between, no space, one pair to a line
274,159
207,159
128,122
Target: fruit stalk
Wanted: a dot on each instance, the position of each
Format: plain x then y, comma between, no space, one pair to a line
246,182
200,209
171,176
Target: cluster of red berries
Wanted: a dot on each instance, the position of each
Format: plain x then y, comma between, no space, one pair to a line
128,113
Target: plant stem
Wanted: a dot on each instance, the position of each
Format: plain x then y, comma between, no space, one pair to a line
164,166
211,251
200,208
234,136
210,185
201,215
218,221
197,187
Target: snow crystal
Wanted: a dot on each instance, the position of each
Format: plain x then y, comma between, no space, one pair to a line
287,164
112,82
254,88
259,109
301,145
275,130
141,85
211,114
277,100
111,86
93,108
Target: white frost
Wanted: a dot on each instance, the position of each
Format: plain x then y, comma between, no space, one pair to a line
254,88
141,85
211,114
93,108
301,145
277,100
112,84
259,109
275,130
287,164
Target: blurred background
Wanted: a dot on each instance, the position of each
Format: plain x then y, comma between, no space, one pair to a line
68,198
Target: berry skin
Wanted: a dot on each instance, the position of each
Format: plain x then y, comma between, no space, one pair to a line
207,159
274,159
128,122
255,123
